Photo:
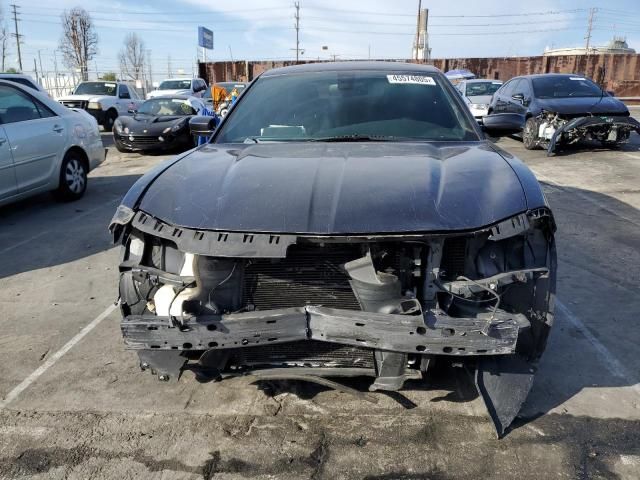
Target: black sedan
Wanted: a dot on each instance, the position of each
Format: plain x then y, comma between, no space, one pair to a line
559,109
161,123
346,219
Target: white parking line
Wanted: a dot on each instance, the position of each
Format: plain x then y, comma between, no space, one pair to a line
54,358
611,363
46,232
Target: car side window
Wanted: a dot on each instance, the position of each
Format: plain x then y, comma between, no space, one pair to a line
524,88
16,106
134,94
124,91
512,87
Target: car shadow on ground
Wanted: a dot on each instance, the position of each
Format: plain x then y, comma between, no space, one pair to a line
40,232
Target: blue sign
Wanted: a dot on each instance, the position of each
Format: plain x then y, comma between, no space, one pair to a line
205,38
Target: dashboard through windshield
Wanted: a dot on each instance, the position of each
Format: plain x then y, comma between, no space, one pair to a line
353,105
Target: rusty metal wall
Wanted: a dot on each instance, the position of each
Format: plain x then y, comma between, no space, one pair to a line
621,72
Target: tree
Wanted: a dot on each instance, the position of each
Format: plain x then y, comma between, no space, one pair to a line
4,42
79,41
132,57
109,76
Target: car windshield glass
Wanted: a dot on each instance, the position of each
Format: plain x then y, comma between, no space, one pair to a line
175,85
96,88
166,106
352,105
482,88
228,86
563,87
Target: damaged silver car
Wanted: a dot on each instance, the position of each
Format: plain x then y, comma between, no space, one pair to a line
346,219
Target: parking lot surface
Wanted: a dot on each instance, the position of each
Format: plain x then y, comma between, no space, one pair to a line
74,404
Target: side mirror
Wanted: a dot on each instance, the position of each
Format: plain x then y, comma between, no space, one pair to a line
202,125
519,97
132,110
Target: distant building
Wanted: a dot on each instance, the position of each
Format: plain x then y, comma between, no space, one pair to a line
616,46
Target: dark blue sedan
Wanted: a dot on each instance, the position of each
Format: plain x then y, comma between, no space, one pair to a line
559,109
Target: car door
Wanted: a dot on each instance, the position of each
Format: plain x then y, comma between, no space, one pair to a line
8,183
521,97
124,103
511,104
36,135
135,99
501,96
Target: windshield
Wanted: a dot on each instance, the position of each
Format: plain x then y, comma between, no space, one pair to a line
175,85
563,87
96,88
476,89
328,105
166,106
228,86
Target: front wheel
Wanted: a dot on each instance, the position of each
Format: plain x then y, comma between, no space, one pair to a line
73,178
530,134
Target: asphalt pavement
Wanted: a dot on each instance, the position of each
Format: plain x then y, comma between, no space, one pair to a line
74,404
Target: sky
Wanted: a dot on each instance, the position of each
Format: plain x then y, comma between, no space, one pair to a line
349,29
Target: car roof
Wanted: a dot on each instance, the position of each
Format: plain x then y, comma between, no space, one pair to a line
9,74
541,75
177,97
352,66
481,80
178,78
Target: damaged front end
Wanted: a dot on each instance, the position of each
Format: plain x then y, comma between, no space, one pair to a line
553,129
305,306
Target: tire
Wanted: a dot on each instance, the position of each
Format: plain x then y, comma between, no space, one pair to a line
223,112
530,134
109,120
73,178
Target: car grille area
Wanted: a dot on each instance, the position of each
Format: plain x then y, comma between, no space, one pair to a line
309,275
139,141
309,353
75,103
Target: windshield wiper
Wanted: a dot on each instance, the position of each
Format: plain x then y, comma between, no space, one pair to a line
358,138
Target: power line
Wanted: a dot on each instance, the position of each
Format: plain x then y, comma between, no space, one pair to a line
393,14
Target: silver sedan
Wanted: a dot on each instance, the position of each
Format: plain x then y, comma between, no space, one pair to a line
44,146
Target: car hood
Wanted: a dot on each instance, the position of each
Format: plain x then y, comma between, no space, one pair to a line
480,99
583,105
86,98
329,188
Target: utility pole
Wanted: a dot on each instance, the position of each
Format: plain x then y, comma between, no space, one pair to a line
150,73
169,66
17,35
35,70
592,12
297,17
418,29
40,60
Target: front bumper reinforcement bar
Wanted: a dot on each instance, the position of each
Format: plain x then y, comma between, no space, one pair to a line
430,333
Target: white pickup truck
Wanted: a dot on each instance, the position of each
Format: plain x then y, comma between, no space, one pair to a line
106,101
